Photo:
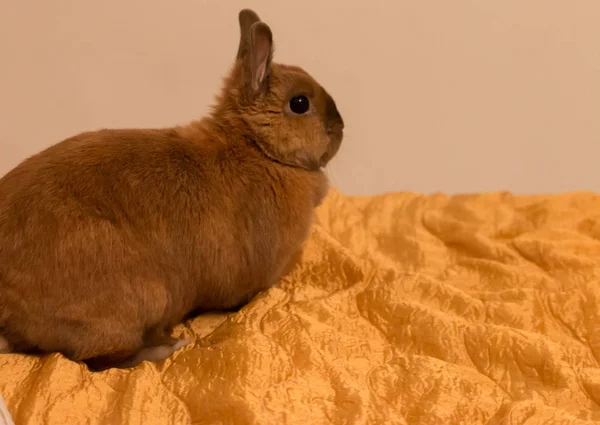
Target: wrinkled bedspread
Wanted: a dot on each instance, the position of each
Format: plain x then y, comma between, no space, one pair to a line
405,309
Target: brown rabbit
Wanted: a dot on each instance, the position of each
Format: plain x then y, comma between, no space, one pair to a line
110,238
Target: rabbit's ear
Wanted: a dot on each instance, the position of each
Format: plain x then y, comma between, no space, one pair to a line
260,55
255,52
247,18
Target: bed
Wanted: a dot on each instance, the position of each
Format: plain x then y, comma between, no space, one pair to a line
404,309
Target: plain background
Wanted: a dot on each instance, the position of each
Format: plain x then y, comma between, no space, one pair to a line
452,96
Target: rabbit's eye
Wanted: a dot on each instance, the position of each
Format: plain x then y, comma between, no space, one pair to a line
299,104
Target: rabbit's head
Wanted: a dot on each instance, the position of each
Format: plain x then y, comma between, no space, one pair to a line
289,115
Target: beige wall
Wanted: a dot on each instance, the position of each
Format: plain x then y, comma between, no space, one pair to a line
457,96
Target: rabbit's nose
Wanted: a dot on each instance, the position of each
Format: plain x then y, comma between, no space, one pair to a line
336,128
332,115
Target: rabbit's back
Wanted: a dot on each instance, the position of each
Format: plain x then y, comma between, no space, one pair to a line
136,228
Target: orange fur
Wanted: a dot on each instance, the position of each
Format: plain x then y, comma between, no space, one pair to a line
4,346
110,238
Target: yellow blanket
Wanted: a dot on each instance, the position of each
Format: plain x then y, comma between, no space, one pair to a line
405,309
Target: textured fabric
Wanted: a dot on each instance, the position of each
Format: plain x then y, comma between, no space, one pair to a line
405,309
5,418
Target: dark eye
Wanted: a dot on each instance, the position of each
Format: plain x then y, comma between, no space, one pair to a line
299,104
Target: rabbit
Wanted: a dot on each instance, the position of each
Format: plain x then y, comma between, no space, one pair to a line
111,238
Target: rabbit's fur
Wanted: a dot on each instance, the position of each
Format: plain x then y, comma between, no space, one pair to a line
110,238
